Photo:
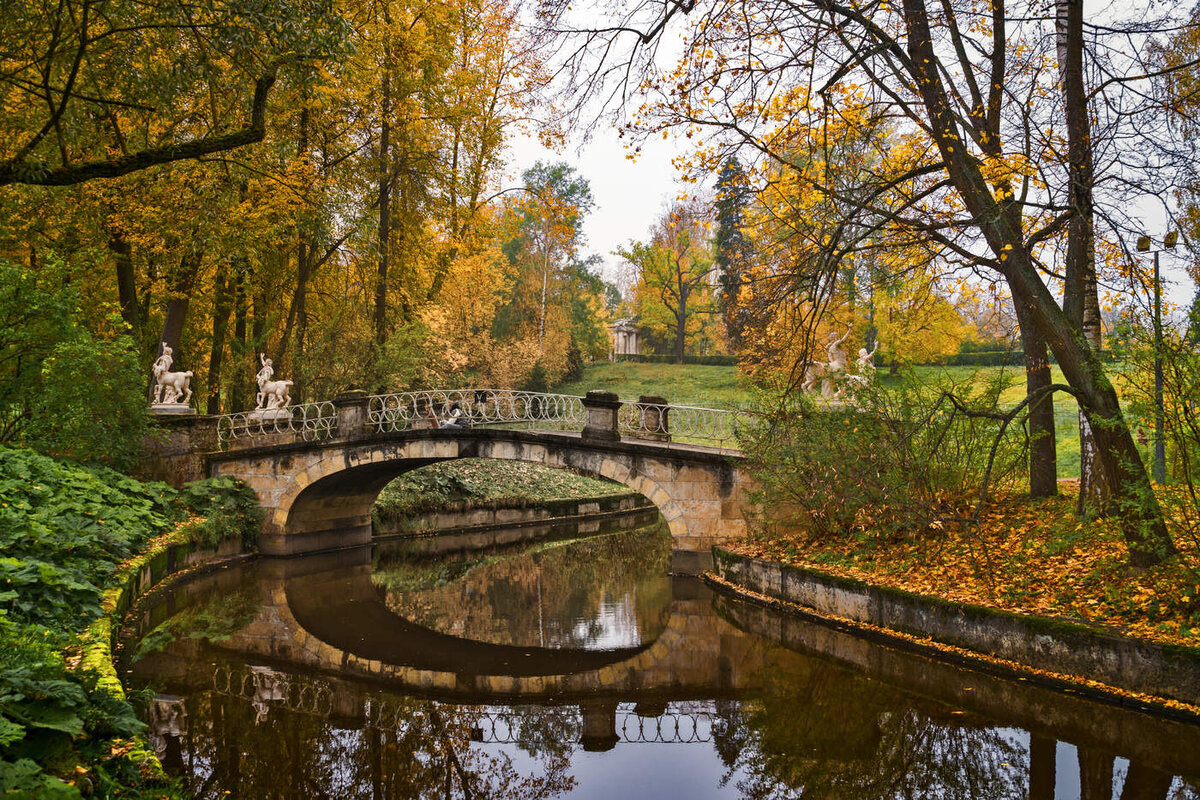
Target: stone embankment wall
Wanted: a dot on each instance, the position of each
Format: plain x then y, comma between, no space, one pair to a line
136,578
1063,647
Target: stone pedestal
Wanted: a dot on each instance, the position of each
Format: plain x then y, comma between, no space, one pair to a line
600,423
655,418
175,447
599,726
172,409
353,414
269,414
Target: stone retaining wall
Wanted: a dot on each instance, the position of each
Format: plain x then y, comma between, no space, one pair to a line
478,518
1053,645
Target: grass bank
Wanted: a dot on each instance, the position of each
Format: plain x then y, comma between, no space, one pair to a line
1027,557
474,483
725,387
65,531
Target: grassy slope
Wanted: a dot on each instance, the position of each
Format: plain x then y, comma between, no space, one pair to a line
687,384
723,387
485,483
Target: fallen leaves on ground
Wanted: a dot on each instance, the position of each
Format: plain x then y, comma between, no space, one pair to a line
1025,556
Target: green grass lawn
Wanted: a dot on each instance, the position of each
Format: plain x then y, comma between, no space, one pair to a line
725,387
681,384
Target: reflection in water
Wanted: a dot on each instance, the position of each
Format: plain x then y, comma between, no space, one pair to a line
600,593
647,687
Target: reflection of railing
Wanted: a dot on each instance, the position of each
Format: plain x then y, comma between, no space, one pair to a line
303,694
426,409
262,686
307,421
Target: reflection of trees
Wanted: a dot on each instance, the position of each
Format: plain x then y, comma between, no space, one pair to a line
820,732
562,594
214,620
426,750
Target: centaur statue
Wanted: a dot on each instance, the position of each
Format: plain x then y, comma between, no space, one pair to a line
168,386
271,394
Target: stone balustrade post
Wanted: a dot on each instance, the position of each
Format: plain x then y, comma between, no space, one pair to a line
353,415
655,418
601,420
599,733
175,448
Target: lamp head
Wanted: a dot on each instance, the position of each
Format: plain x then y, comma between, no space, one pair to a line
1143,244
1171,239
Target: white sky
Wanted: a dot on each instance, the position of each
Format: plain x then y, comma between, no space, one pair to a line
629,195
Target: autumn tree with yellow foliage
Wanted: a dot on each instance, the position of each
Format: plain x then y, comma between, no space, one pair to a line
981,164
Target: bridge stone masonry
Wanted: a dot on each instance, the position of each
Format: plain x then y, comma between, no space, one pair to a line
318,472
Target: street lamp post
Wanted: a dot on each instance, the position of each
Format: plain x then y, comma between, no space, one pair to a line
1160,448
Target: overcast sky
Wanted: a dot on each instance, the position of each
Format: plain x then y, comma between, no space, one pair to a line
629,196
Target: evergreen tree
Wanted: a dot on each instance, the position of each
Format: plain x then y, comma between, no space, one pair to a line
731,246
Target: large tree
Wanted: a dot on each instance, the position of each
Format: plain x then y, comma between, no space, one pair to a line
99,89
977,170
675,272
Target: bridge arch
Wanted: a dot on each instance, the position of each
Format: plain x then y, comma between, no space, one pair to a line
318,495
334,496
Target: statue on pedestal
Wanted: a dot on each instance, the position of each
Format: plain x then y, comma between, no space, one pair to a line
831,371
866,368
172,390
273,396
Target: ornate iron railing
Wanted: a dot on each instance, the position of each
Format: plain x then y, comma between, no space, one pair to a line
433,408
680,424
308,422
402,411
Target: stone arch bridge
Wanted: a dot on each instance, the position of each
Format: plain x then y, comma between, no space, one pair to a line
318,469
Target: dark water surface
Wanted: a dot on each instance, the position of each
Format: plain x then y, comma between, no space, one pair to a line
579,667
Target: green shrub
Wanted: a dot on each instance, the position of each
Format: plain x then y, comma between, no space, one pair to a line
91,406
64,529
898,463
229,509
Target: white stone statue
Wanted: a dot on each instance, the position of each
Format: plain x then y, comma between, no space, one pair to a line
866,368
170,388
272,395
866,363
832,371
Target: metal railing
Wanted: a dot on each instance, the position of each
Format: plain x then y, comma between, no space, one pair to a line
403,411
680,424
504,408
307,422
267,688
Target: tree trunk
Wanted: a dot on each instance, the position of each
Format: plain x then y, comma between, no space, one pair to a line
177,304
1095,775
1043,459
1041,767
385,187
1142,522
1080,296
222,295
1001,225
126,285
240,385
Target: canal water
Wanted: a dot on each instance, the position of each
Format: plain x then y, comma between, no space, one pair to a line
573,665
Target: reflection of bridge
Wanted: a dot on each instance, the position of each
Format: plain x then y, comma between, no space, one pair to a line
331,647
318,469
325,613
326,698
